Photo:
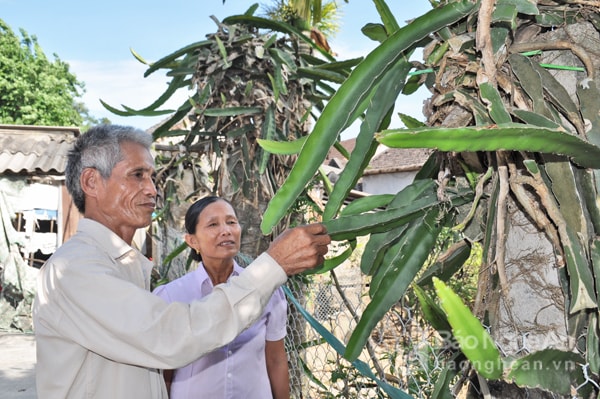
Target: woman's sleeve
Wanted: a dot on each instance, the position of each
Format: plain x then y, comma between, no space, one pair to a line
277,318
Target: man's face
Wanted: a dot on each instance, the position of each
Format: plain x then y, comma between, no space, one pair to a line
127,198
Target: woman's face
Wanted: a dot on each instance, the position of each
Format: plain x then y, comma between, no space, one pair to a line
218,232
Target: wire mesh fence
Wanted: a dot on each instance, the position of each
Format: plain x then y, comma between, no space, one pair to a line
400,350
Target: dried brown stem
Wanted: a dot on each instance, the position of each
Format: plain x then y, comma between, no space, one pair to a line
579,51
530,206
549,205
590,3
484,40
501,221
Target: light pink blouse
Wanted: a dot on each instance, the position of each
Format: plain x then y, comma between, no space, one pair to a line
238,369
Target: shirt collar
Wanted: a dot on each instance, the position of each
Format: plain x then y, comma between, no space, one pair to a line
104,237
203,277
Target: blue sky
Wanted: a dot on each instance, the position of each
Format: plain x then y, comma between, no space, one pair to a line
95,39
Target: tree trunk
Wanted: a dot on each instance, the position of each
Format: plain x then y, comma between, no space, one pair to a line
524,294
530,314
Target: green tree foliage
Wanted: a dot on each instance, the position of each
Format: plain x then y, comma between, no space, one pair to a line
33,89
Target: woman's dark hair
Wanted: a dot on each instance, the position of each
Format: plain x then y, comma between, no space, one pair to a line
192,215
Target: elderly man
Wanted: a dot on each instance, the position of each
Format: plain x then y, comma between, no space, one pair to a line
100,332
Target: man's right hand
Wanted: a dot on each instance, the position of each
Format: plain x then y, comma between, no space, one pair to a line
300,248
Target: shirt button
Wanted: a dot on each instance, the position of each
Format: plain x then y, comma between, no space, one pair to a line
230,353
228,375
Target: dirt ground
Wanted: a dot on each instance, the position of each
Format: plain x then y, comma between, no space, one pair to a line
17,366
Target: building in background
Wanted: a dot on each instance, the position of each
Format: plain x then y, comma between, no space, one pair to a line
393,169
36,212
33,196
390,170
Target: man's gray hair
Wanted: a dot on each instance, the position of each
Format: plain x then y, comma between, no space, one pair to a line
99,148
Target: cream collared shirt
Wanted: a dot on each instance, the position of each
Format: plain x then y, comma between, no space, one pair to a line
100,333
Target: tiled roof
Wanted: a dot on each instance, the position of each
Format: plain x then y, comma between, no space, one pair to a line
399,158
389,159
335,157
35,149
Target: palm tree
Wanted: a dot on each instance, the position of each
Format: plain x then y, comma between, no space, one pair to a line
313,17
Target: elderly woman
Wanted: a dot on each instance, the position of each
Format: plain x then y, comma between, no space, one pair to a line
254,365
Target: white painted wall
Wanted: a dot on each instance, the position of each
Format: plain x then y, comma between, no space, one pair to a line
387,183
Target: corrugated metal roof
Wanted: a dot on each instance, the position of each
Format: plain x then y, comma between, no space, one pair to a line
35,149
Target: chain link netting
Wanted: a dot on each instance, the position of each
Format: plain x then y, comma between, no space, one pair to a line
400,350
